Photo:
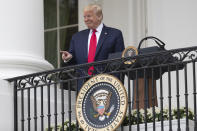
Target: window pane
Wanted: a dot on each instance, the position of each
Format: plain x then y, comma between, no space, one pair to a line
65,37
51,47
68,12
50,14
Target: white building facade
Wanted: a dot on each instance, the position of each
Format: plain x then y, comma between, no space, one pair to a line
22,34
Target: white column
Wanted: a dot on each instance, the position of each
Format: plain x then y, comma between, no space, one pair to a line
6,111
21,38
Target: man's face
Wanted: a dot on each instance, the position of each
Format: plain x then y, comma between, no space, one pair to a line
91,20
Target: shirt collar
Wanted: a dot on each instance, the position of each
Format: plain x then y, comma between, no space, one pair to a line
99,28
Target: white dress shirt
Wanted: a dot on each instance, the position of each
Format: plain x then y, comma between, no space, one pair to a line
98,33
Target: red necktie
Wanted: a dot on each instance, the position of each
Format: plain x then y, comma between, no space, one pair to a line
92,51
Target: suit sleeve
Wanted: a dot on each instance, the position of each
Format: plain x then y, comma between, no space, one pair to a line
72,51
119,46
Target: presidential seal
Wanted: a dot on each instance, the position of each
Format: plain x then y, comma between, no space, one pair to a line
128,52
101,103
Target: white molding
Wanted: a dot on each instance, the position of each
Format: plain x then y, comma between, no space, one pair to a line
13,65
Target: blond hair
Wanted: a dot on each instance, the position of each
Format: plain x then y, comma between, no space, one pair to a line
96,9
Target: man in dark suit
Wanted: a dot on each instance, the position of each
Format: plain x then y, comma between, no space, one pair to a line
94,43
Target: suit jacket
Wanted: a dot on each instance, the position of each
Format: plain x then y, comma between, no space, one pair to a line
110,41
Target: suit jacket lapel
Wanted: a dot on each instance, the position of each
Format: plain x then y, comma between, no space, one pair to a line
103,36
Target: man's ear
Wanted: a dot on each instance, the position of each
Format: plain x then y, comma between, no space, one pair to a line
100,18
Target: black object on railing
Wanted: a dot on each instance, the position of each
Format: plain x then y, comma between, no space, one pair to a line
165,58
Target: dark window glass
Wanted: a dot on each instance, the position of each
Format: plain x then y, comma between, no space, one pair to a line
65,37
68,12
51,47
68,15
50,14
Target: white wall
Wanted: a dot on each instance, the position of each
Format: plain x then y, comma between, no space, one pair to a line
174,21
7,106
